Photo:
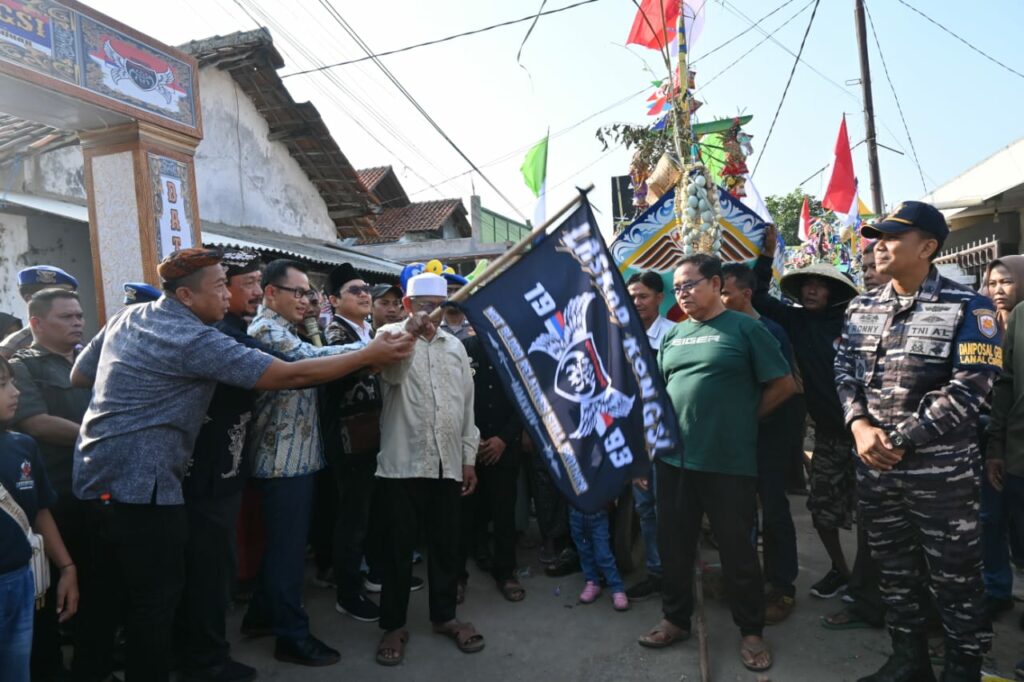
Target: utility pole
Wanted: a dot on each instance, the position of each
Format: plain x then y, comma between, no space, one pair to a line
869,110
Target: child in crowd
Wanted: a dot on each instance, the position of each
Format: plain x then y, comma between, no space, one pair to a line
590,533
24,482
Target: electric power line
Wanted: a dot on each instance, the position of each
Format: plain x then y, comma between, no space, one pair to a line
899,107
740,34
756,45
964,41
789,80
412,100
440,40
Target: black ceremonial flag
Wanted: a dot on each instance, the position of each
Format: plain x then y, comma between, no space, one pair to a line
562,332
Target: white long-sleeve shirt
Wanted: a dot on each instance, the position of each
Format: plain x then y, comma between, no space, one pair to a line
427,425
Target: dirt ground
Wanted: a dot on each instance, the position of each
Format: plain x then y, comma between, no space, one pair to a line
551,636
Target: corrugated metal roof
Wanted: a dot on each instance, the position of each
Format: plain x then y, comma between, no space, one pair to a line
303,248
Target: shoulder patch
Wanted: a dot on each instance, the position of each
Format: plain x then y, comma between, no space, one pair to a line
986,322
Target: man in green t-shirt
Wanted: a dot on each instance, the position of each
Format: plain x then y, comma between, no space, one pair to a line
723,371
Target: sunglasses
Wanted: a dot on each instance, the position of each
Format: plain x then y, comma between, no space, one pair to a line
359,289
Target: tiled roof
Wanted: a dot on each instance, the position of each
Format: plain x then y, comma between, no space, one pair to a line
424,216
371,177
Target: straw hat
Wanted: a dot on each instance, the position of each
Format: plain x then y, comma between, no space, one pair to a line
840,287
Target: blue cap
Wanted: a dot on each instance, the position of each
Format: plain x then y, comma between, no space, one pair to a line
910,215
46,275
140,292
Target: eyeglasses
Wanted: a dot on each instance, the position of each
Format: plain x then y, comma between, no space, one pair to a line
687,287
296,291
424,306
359,289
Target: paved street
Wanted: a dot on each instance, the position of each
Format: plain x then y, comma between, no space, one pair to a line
550,636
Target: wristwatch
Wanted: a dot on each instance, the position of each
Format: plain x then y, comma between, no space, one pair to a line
899,441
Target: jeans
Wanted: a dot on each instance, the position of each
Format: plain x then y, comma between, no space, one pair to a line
647,510
998,509
17,607
592,539
286,508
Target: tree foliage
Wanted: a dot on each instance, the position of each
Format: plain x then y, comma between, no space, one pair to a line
785,209
647,144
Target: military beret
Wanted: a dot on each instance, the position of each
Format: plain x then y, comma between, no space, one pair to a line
240,262
139,292
455,279
47,275
187,261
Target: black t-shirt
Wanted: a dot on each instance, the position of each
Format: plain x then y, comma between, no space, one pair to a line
24,477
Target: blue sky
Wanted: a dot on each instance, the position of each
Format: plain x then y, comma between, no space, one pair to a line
960,107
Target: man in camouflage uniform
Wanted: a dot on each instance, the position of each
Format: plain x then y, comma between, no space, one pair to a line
916,361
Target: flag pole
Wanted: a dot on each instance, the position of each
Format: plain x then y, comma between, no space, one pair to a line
507,258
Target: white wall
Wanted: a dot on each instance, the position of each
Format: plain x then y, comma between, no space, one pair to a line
13,250
244,179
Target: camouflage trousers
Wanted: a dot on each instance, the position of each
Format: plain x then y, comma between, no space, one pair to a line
924,531
832,481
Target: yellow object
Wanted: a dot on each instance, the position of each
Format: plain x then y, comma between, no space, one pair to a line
434,267
449,270
481,265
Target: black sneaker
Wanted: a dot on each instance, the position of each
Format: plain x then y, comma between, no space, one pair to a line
832,584
306,651
371,583
567,564
228,671
255,626
645,589
415,584
360,608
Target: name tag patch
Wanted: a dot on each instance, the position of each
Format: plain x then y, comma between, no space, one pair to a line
977,353
932,331
866,324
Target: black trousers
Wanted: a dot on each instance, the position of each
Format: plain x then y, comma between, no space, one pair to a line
47,657
137,557
323,520
550,505
684,497
210,570
494,501
354,481
433,505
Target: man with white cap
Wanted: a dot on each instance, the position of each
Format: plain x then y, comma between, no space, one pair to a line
429,442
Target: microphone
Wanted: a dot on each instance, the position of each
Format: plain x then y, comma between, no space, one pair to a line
313,331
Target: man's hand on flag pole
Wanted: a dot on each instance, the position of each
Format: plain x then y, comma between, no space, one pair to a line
420,325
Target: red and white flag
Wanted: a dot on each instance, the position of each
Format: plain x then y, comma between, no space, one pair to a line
804,232
841,195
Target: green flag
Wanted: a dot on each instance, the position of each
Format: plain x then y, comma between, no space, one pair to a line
535,167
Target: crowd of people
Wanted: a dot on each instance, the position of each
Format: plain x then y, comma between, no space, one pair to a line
214,434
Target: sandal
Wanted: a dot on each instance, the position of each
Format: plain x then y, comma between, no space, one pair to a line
467,639
749,655
511,589
391,649
845,620
662,635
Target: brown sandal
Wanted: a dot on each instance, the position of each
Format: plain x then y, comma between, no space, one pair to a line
750,653
512,589
467,639
660,636
391,649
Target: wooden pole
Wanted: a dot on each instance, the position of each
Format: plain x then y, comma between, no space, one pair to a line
510,256
877,202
